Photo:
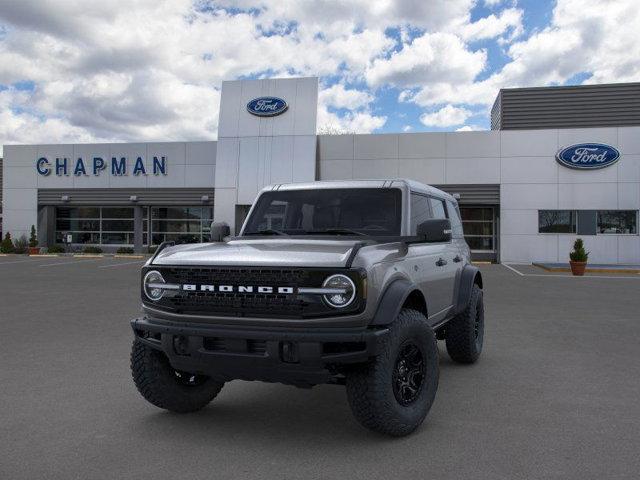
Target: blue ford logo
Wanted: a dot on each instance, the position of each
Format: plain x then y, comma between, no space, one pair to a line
588,156
267,106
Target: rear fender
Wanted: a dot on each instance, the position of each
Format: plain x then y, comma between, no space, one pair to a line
470,276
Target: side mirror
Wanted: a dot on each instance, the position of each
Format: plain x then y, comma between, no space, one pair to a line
219,230
435,230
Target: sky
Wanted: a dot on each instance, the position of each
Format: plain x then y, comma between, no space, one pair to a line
77,71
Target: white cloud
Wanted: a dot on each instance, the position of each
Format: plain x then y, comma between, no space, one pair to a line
351,122
469,128
432,57
407,128
338,96
509,20
583,37
447,116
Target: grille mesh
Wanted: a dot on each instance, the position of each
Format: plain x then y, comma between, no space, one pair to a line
246,304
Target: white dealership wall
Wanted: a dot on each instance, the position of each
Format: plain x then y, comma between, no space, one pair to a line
188,165
523,163
253,151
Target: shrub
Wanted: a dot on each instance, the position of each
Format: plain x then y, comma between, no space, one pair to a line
56,249
20,245
33,239
579,254
7,244
92,250
124,250
153,249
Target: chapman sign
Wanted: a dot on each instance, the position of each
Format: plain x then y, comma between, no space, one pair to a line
588,156
95,166
267,106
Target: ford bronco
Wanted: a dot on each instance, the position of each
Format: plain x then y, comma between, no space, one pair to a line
349,283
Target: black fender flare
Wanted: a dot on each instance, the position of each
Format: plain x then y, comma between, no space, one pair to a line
392,300
469,276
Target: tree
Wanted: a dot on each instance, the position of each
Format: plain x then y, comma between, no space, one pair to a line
7,244
33,239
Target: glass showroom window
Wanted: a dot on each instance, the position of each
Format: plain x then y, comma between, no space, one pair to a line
557,221
618,221
82,223
478,225
117,225
95,225
180,224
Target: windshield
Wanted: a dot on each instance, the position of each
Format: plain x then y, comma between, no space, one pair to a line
355,211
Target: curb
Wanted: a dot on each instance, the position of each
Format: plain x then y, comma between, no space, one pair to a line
589,270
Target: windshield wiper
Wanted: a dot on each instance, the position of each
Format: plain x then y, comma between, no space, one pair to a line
336,231
267,231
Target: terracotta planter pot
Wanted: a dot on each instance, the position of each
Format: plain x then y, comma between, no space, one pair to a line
578,268
34,250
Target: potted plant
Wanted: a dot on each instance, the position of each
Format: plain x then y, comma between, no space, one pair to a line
578,258
33,242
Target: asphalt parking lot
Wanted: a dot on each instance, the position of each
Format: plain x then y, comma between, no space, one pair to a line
555,394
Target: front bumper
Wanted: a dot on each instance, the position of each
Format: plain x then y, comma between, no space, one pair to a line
293,356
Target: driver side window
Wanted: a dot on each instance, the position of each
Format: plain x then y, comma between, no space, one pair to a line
420,211
437,206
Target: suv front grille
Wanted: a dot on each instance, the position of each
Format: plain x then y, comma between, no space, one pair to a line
271,305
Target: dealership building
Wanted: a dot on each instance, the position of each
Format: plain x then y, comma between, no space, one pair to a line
559,162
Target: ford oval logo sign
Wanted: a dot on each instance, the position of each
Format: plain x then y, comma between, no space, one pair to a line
267,106
588,156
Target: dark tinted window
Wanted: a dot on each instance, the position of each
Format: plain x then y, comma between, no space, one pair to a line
618,221
370,211
454,216
437,208
556,221
420,211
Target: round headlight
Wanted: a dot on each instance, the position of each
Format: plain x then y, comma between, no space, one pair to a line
345,291
150,283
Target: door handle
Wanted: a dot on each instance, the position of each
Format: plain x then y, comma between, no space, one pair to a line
457,259
441,262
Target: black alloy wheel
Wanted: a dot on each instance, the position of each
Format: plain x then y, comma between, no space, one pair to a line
408,373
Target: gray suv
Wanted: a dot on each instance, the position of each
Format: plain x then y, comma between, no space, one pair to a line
348,283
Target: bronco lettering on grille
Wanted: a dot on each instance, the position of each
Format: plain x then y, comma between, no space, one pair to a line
190,287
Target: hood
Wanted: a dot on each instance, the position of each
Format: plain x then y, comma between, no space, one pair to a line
260,252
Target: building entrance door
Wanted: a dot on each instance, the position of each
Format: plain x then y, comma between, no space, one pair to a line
480,225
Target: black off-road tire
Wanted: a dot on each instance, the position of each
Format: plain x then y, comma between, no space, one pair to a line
372,389
465,333
163,386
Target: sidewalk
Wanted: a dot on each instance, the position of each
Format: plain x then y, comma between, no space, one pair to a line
593,268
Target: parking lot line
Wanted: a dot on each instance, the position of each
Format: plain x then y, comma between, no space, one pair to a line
31,259
513,269
69,263
121,264
565,276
